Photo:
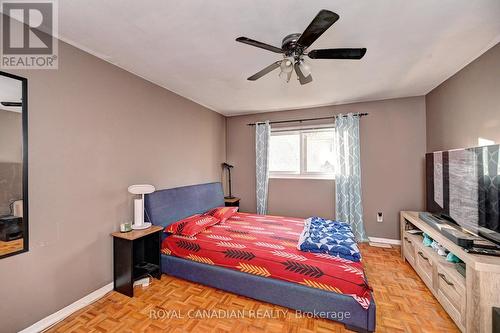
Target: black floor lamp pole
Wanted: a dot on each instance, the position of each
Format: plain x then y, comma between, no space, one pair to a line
230,189
228,167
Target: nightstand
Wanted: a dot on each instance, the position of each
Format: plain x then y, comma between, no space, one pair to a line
136,254
232,202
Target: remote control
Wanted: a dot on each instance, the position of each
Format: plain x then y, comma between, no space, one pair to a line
458,237
488,252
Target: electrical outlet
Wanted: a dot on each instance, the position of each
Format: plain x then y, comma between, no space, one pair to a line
380,217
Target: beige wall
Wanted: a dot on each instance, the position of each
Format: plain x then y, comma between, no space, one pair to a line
11,137
95,129
392,161
466,106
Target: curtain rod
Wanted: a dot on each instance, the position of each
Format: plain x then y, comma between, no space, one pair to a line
307,119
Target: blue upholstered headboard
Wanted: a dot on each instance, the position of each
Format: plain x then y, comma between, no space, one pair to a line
164,207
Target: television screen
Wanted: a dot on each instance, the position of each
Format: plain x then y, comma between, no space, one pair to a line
464,185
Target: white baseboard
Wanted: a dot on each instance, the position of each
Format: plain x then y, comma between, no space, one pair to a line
56,317
385,240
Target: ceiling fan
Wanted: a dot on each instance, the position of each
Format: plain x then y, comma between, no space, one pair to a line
294,49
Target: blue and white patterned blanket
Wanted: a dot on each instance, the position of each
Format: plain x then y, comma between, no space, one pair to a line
331,237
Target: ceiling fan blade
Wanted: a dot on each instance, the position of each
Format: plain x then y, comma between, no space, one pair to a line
302,79
337,54
265,71
12,104
317,27
255,43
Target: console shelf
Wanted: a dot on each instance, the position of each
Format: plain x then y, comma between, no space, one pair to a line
468,300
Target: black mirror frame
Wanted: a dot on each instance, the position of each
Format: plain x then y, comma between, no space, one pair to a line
24,86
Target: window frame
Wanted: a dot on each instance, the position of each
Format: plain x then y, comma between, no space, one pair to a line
303,173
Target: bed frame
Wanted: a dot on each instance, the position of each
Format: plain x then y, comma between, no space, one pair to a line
167,206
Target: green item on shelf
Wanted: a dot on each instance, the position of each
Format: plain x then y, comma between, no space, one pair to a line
427,240
452,258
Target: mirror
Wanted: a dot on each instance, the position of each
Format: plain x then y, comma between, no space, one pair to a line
13,165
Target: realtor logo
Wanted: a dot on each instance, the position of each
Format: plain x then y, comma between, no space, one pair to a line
27,34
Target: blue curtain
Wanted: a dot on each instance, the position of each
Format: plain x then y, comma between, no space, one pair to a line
348,203
262,136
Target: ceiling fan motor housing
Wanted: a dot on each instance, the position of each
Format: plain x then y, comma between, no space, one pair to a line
290,46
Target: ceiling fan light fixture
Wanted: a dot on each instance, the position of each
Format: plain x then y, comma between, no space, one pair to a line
287,65
285,76
304,68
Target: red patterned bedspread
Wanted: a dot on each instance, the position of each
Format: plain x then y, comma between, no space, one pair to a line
267,246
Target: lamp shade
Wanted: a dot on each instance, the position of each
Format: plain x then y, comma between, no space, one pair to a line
287,65
304,68
141,189
139,205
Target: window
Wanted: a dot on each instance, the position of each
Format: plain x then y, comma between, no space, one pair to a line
485,142
305,153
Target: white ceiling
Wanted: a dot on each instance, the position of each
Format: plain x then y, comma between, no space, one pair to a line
188,46
10,91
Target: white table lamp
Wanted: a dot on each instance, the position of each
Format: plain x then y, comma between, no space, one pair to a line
139,205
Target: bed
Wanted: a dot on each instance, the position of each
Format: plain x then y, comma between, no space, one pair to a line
256,256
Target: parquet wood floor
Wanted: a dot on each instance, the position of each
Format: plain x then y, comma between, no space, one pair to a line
403,305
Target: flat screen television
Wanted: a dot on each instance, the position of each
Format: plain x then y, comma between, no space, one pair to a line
464,185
